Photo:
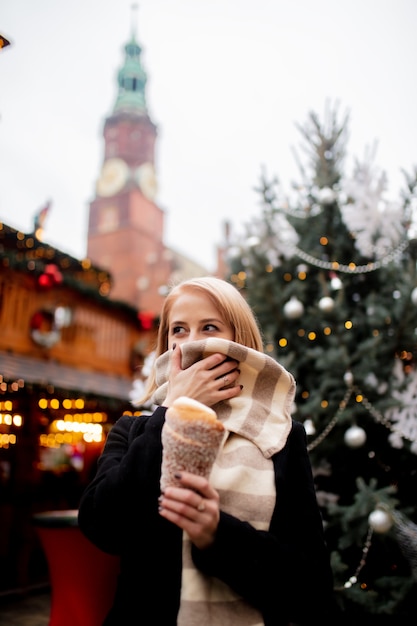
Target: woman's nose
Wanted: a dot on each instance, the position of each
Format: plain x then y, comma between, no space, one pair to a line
193,335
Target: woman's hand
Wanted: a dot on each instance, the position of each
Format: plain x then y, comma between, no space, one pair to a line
194,507
209,381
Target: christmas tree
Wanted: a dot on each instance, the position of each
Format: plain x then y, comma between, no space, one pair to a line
330,269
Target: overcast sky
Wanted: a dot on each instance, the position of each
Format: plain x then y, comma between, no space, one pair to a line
227,82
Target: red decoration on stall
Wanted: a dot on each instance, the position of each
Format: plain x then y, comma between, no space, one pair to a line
45,281
53,271
146,319
37,321
43,329
50,277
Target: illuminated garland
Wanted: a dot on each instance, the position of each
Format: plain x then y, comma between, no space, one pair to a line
352,268
378,417
333,421
365,550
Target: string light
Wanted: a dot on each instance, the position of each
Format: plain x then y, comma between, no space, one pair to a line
352,268
362,399
332,422
365,550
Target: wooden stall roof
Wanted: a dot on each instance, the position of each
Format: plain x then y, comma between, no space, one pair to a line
43,372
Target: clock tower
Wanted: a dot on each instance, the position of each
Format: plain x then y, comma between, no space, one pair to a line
126,225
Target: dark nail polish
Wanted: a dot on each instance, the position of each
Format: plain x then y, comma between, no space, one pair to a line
178,475
174,345
241,386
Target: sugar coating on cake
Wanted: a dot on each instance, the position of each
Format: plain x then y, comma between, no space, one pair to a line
191,437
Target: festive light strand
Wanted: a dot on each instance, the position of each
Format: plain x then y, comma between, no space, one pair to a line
333,421
407,534
365,550
378,416
351,268
368,406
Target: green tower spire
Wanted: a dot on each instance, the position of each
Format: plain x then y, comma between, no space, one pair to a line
131,79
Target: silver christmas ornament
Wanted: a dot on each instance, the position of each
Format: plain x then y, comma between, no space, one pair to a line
355,437
414,296
381,521
348,378
309,427
335,283
327,195
326,304
293,309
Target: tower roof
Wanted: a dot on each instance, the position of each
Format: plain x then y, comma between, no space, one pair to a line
131,80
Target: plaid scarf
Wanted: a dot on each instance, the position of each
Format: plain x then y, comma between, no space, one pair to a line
262,412
257,423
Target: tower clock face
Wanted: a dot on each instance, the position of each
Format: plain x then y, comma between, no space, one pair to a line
146,179
113,177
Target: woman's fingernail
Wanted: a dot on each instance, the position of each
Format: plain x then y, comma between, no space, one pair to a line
178,475
241,387
174,345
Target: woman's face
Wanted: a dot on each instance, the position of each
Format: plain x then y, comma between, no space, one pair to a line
193,316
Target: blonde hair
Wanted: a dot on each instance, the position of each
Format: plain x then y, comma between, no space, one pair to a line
228,301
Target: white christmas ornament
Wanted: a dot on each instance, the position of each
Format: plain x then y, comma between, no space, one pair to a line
355,437
293,309
380,521
348,378
326,304
414,296
309,427
327,195
335,283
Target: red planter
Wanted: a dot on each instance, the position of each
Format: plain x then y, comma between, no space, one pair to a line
82,577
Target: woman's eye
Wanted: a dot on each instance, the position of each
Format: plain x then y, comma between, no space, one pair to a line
177,329
210,327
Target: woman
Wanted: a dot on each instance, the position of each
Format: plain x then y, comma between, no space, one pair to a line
245,547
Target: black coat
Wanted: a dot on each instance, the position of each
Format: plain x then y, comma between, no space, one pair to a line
284,572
